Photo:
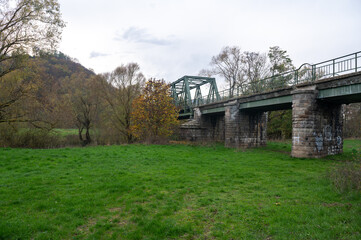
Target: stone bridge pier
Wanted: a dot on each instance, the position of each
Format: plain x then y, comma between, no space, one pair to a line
244,129
203,128
316,125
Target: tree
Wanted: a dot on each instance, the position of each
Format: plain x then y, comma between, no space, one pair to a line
241,70
352,120
255,68
119,89
85,103
154,115
18,88
27,26
279,124
23,99
228,64
280,61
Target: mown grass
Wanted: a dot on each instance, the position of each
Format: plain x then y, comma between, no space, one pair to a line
173,192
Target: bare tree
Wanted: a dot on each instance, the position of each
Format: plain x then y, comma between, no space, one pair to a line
84,108
254,68
241,70
228,64
119,89
85,103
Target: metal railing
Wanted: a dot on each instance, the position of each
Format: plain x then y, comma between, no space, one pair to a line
306,73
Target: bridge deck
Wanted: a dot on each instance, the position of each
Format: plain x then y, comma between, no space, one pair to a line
343,89
271,93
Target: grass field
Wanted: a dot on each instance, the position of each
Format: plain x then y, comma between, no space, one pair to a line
173,192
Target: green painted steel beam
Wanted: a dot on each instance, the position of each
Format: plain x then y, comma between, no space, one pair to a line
340,91
213,110
190,77
266,102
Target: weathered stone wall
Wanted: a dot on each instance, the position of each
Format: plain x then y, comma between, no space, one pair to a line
217,127
244,129
316,125
231,121
192,130
253,129
204,128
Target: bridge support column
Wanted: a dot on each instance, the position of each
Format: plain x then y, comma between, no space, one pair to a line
231,125
244,129
316,125
203,128
193,129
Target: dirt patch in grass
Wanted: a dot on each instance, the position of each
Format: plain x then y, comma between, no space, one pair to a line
85,229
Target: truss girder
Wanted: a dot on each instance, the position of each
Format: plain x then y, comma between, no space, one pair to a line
181,91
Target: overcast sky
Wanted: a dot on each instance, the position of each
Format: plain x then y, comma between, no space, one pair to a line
173,38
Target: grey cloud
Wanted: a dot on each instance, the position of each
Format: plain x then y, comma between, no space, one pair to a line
139,35
97,54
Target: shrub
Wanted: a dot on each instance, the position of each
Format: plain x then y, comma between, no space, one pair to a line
28,138
108,136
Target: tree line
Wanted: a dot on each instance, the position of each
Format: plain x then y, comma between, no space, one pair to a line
122,106
42,89
53,92
244,70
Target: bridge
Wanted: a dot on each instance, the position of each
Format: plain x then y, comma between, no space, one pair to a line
238,116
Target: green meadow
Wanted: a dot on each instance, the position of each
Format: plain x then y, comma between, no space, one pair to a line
173,192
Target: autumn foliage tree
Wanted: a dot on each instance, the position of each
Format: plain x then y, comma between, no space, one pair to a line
154,115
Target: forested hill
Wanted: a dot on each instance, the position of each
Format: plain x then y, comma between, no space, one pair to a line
57,68
59,79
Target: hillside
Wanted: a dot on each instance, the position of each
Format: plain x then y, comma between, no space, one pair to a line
59,77
57,68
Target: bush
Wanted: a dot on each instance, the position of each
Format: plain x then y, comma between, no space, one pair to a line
21,136
108,136
347,176
28,138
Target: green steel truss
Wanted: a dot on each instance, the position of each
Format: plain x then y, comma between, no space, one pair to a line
181,92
